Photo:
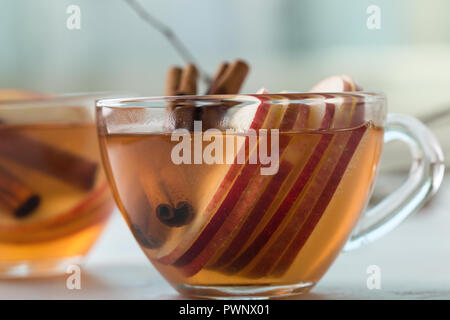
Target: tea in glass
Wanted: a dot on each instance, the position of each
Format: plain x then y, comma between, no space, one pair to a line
54,197
252,195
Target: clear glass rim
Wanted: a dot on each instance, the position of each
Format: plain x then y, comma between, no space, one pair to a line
275,98
58,100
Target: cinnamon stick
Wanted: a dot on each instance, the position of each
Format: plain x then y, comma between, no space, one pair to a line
70,168
171,207
219,73
173,79
175,186
229,78
188,81
166,192
182,82
149,234
175,210
16,198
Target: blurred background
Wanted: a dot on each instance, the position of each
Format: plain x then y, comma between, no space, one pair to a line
289,44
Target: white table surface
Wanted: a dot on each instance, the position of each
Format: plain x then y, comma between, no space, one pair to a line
414,262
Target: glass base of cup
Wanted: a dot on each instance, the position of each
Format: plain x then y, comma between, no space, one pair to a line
260,292
38,268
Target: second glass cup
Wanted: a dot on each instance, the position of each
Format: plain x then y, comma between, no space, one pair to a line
256,195
54,197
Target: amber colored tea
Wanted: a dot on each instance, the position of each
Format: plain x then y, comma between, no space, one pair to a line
228,225
54,198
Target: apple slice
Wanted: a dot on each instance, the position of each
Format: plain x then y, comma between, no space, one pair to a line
262,90
191,264
293,119
234,182
340,83
263,201
264,236
357,118
317,185
242,204
194,258
277,219
316,199
92,209
272,189
308,227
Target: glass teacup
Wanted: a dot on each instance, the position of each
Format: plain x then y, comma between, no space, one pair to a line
54,197
256,195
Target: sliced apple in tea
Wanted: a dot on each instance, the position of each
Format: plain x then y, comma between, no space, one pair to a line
340,146
321,166
58,216
52,163
195,236
283,209
236,222
239,206
199,253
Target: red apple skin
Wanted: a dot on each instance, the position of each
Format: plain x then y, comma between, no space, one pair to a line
192,266
196,263
195,258
309,211
253,249
316,187
193,263
256,246
303,234
268,194
185,250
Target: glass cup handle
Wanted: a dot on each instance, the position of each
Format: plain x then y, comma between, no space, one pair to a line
425,176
